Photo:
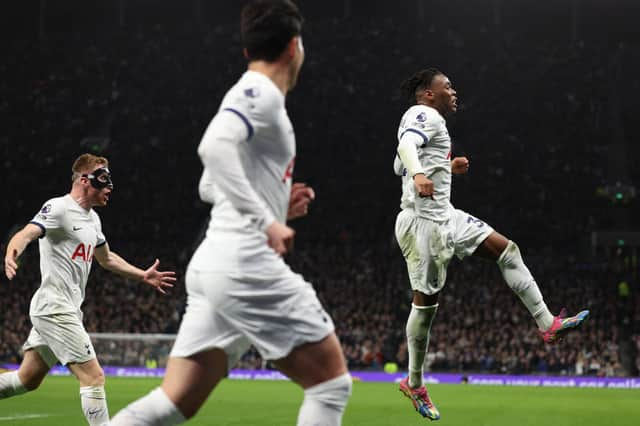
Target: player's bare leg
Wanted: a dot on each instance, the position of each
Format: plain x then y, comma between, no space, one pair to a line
33,370
492,247
320,369
189,381
92,394
507,254
31,373
186,386
88,373
423,310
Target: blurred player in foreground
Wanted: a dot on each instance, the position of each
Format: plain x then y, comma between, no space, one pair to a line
240,290
70,235
430,230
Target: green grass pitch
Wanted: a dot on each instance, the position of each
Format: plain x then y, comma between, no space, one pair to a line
276,403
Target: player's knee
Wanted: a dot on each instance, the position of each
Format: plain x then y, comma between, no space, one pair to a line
510,253
515,272
31,382
96,378
333,393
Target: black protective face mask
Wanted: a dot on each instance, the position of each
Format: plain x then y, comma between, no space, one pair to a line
100,178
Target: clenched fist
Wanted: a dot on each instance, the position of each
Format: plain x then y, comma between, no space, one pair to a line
424,185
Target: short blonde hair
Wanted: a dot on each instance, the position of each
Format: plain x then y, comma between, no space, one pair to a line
86,163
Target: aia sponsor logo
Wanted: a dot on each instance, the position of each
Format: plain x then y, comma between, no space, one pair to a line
82,252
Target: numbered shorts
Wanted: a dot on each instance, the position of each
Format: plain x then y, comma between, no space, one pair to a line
263,303
428,246
60,337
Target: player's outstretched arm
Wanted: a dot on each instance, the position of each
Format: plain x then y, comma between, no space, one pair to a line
459,165
17,245
151,276
301,196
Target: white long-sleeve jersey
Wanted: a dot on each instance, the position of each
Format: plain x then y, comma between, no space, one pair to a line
424,127
248,153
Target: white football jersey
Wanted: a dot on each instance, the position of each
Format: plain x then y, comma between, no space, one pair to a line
267,156
434,153
70,236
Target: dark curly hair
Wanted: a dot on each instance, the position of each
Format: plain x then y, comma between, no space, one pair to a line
419,81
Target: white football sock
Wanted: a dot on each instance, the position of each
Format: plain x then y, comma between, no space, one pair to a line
155,409
94,405
324,403
10,385
418,328
518,277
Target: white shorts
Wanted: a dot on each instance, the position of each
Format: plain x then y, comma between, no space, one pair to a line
232,304
60,337
428,246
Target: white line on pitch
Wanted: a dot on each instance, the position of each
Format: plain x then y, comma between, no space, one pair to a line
23,416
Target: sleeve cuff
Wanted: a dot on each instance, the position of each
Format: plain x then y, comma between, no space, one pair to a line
44,230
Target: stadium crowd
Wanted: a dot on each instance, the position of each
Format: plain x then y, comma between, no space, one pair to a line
533,121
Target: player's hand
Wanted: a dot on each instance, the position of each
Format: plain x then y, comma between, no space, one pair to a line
159,279
301,196
11,264
459,165
280,237
424,186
